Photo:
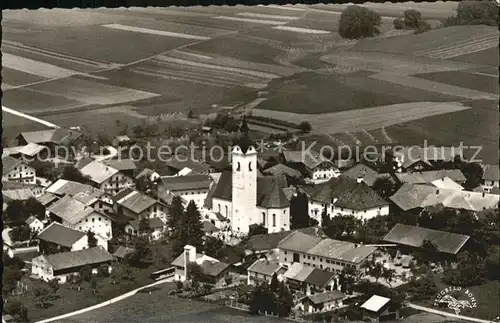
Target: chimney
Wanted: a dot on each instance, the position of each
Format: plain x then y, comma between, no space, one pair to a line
189,257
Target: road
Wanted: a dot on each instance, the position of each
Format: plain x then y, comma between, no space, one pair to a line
438,312
23,115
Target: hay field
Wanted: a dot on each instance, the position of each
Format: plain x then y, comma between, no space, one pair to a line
465,79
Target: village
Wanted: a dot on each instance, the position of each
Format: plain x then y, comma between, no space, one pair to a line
261,229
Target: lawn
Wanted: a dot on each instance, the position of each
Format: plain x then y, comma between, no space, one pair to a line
464,79
484,57
26,100
335,93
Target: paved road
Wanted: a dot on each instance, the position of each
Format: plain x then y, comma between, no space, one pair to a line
438,312
23,115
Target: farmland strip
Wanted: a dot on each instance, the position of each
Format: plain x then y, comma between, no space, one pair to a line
217,67
266,16
30,66
458,43
177,78
302,30
191,75
484,44
256,21
155,32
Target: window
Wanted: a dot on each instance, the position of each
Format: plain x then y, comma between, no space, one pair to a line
264,219
274,220
238,166
93,219
250,166
285,252
226,210
285,259
99,218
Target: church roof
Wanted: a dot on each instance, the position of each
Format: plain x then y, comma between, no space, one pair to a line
269,190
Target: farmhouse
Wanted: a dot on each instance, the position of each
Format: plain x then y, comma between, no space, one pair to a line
368,174
318,167
34,224
430,176
56,237
106,178
36,190
121,141
346,196
308,279
175,165
26,153
76,215
378,308
491,178
214,271
136,205
190,187
124,166
22,194
154,227
413,237
262,270
17,170
64,187
322,302
424,158
50,138
416,197
149,174
280,169
447,183
60,265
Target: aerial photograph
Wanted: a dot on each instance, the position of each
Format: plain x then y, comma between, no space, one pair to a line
310,163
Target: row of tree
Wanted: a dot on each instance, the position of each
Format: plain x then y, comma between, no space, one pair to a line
273,298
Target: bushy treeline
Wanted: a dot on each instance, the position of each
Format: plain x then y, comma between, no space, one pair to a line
481,12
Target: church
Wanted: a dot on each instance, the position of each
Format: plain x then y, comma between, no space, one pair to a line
244,198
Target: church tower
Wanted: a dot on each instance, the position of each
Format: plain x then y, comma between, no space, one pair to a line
244,180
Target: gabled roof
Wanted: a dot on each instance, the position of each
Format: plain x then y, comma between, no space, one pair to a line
153,223
375,303
188,182
410,155
409,235
21,194
209,266
9,163
80,258
281,169
324,297
264,242
298,271
122,251
264,266
121,164
319,277
298,241
31,220
60,235
448,183
47,198
31,149
98,172
85,198
430,176
122,138
146,172
55,136
135,201
491,173
311,160
182,162
82,162
70,210
270,193
223,189
348,193
64,187
360,170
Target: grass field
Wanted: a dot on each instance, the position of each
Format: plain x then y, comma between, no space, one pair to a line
485,57
479,82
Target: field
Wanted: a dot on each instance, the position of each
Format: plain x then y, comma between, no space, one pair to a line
68,67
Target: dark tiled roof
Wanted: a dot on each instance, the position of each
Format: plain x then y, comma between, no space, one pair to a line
213,268
281,169
264,266
298,241
262,242
83,162
64,187
122,251
209,227
8,164
360,170
409,235
270,193
153,223
326,297
188,182
319,277
223,189
60,235
136,202
67,260
47,198
121,164
491,173
70,210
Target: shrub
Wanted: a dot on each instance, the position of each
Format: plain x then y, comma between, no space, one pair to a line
423,27
477,13
398,24
412,19
357,22
305,126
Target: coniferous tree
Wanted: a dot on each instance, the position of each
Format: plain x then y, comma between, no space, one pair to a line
274,283
189,231
299,211
176,212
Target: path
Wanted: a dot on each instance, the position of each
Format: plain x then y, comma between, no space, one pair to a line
443,313
23,115
106,303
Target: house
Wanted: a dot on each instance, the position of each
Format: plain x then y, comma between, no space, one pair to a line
63,239
17,170
22,194
122,252
27,152
155,228
121,141
447,183
368,174
209,228
63,187
430,176
280,169
190,187
346,196
61,265
76,215
413,237
136,205
309,280
98,203
328,254
317,167
50,138
36,190
149,174
246,199
106,178
491,177
424,158
34,224
416,197
175,165
262,270
322,302
214,271
124,166
378,308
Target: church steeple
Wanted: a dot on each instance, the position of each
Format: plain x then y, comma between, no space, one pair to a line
244,141
244,127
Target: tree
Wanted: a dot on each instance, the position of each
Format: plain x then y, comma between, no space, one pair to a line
35,208
212,246
142,252
20,233
93,285
17,310
305,127
176,212
422,289
274,283
11,276
357,22
325,218
373,230
54,285
86,273
42,297
284,301
384,186
341,225
470,271
71,173
145,184
473,173
195,272
475,13
190,114
492,263
92,240
256,229
299,211
398,23
412,19
189,230
16,212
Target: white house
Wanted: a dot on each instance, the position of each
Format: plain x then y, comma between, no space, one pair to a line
138,206
346,196
34,224
106,177
189,187
17,170
65,239
149,174
491,177
262,270
61,265
245,199
320,169
76,215
322,302
155,226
